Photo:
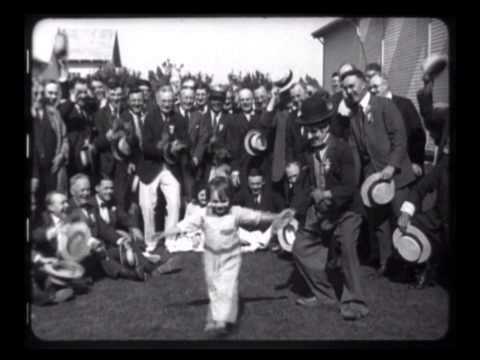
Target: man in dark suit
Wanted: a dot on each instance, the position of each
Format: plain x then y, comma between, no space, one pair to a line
228,106
380,141
80,126
110,219
258,196
240,125
198,135
165,135
201,98
216,125
434,117
148,98
327,239
106,121
435,222
44,243
50,144
416,137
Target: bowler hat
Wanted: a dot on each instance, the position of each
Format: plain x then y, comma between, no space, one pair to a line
287,234
217,94
413,245
377,191
255,142
316,110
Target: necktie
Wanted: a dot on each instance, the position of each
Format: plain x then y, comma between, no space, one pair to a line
319,173
290,192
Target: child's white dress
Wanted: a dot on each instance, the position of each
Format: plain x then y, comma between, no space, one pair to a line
222,257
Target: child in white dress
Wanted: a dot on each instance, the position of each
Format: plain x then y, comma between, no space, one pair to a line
222,249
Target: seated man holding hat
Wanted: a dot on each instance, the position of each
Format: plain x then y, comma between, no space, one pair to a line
327,239
50,245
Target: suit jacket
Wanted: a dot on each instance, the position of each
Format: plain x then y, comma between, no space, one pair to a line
436,180
104,119
84,214
241,160
119,219
79,126
156,136
39,236
438,130
339,177
197,132
416,138
269,201
295,142
385,140
132,138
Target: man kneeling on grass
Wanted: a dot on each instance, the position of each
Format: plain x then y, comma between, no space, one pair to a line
222,250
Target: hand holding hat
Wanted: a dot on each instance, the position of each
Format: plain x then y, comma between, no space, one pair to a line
403,221
387,172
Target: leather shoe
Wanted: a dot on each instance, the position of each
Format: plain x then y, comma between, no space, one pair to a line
353,311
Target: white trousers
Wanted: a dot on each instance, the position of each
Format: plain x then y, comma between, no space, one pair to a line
170,188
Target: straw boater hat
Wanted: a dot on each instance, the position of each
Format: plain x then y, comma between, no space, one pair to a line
287,235
121,149
413,245
433,65
63,270
72,241
376,191
255,142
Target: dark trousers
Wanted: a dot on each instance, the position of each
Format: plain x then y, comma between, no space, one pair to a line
313,254
380,220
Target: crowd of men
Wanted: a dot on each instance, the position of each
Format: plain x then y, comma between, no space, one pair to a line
132,159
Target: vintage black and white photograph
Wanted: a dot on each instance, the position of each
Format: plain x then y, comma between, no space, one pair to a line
230,178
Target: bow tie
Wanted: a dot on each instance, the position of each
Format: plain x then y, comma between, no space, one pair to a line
320,148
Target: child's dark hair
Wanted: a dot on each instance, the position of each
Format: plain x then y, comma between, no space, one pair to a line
221,185
198,187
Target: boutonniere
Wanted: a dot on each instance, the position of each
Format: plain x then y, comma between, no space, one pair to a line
220,127
114,208
326,164
92,217
368,114
171,129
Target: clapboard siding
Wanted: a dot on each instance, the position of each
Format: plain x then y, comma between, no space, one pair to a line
439,44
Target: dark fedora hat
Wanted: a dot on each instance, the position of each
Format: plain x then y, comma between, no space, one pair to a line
316,110
217,93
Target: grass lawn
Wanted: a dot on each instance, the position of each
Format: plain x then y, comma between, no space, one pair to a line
173,307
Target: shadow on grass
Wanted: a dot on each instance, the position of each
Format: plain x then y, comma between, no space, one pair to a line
242,301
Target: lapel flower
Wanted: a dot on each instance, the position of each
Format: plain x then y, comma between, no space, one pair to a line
326,164
220,127
368,113
114,208
171,129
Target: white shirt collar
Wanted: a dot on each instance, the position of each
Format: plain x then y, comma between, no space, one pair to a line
182,111
55,219
365,101
99,201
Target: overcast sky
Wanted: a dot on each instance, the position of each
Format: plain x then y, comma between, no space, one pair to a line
212,45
